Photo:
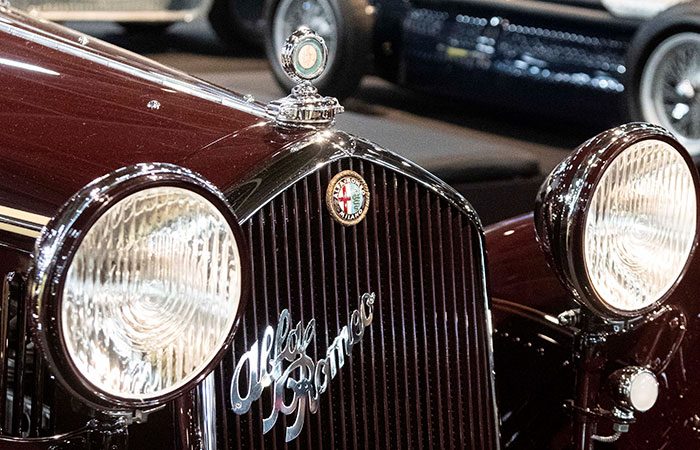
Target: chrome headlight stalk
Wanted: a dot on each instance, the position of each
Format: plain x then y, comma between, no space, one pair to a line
137,287
617,221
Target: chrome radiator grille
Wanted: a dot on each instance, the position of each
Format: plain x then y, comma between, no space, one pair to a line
421,376
26,389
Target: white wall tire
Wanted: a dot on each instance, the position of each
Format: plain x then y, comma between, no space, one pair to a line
345,25
669,88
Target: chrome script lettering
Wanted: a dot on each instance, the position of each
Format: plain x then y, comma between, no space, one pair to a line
279,361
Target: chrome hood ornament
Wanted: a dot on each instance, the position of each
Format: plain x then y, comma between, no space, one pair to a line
279,361
304,59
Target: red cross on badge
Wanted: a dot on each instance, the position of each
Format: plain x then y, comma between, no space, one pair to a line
344,200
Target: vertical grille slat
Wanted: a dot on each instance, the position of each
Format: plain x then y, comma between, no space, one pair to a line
220,399
396,223
38,395
411,283
457,337
306,212
373,387
286,283
342,313
476,366
381,361
18,373
356,279
447,322
247,341
335,319
26,389
435,330
417,378
4,344
482,336
393,357
466,328
421,279
324,295
257,332
267,302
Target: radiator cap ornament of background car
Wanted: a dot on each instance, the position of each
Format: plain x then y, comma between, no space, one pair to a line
304,59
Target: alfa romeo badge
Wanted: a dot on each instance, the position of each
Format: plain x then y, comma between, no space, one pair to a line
347,197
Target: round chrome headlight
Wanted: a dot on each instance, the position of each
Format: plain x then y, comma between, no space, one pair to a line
138,285
618,219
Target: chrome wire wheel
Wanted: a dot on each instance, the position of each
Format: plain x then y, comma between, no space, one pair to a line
670,88
315,14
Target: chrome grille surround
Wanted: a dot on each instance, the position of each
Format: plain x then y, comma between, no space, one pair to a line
306,262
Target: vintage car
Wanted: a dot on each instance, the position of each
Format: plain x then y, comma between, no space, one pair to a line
186,268
580,58
236,22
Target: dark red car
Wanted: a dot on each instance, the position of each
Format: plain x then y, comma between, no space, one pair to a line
185,268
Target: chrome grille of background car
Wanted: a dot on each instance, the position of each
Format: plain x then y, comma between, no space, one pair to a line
421,377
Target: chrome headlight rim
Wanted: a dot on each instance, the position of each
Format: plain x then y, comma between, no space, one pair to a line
58,244
561,224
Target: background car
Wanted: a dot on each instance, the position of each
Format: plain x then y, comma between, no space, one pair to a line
582,59
236,22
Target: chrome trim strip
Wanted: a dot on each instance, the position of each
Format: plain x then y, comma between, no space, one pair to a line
553,10
302,158
21,222
118,16
298,160
195,87
489,331
205,412
639,9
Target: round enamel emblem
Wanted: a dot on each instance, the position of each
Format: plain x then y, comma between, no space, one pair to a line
305,55
347,197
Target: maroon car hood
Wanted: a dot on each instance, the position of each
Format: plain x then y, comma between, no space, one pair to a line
74,108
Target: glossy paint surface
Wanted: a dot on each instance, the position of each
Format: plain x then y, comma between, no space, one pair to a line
519,275
518,269
74,109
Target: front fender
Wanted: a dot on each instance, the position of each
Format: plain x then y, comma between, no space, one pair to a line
533,353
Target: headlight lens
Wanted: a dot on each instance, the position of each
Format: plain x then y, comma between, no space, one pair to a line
618,219
640,226
151,293
137,286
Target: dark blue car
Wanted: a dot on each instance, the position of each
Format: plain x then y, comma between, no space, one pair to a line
641,57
